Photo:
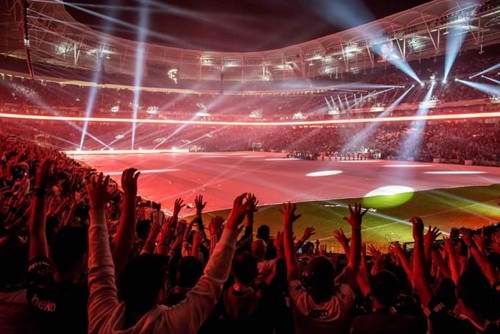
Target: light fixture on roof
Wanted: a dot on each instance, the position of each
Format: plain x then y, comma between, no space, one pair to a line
206,61
172,74
152,110
351,50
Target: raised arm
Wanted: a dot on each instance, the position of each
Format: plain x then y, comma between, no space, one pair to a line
215,229
363,278
289,217
452,260
149,245
37,221
123,241
247,238
432,234
398,251
101,278
481,259
355,218
198,219
189,315
340,236
420,274
308,233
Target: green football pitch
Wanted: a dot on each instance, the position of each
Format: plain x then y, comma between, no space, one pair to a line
388,217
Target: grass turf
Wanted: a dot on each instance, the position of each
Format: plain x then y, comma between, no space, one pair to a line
445,208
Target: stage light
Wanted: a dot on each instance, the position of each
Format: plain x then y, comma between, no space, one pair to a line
115,108
387,51
172,74
422,84
348,14
202,113
444,81
298,115
152,110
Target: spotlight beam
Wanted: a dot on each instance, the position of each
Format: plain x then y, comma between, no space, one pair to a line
489,69
91,98
411,145
493,90
354,13
363,135
142,29
139,65
456,37
39,101
490,79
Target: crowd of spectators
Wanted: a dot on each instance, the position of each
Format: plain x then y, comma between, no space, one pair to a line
240,101
452,141
81,254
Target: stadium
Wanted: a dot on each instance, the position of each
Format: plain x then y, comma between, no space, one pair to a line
141,121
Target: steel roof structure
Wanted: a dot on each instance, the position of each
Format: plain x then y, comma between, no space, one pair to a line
53,36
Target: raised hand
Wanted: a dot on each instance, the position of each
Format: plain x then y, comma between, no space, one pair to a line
356,214
308,232
129,181
199,204
252,204
417,228
373,251
432,234
340,236
288,213
238,212
166,231
149,245
396,249
178,205
97,190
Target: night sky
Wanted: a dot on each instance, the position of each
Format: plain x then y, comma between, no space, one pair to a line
236,25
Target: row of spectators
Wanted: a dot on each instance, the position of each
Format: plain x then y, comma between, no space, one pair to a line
151,273
454,141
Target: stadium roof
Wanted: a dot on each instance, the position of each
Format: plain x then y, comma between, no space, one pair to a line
55,37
